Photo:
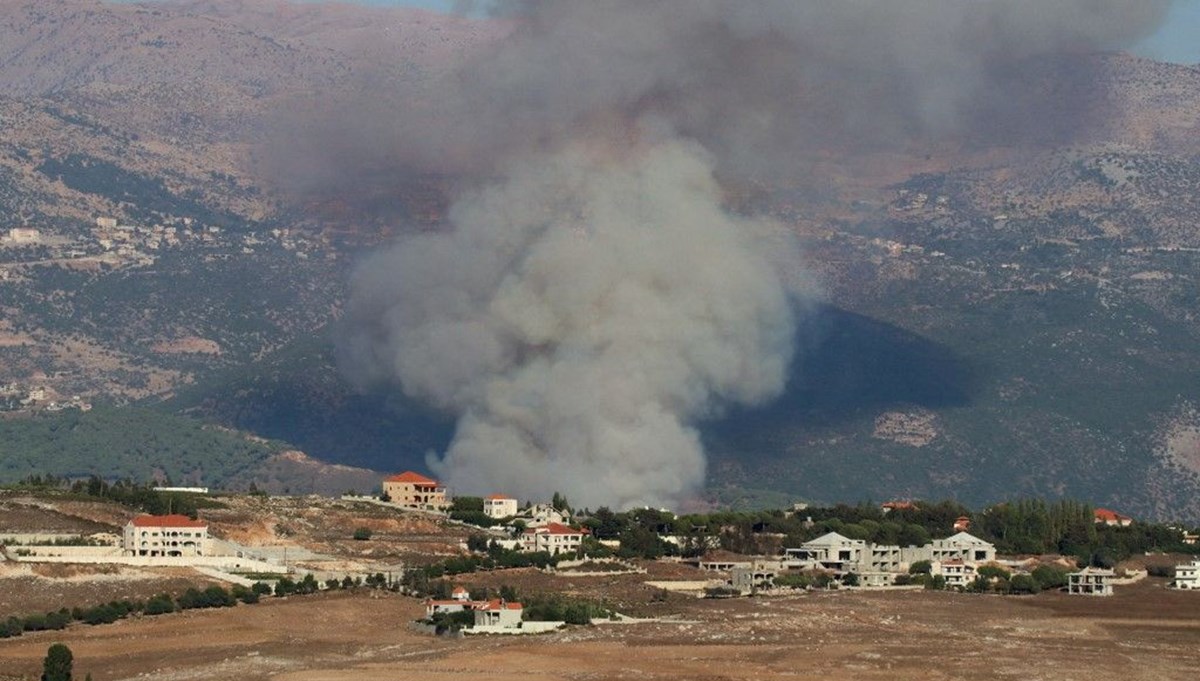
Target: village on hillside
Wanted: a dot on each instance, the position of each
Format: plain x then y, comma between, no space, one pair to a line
897,546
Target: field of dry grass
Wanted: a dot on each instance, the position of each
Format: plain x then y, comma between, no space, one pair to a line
1145,632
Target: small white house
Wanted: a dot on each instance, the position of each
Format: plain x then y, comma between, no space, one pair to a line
1091,582
957,573
1187,576
499,506
500,614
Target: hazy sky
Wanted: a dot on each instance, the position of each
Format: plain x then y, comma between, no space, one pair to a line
1178,41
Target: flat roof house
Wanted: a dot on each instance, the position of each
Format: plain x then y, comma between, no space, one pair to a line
1091,582
1187,576
499,506
165,536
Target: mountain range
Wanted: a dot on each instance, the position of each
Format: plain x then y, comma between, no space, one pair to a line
996,321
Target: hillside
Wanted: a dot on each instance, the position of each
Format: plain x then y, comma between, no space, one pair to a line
997,320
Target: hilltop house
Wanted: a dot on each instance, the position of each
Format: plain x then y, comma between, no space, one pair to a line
413,490
552,538
1091,582
499,506
1103,516
165,535
1187,576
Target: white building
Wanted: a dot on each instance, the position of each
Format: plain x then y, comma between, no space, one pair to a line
499,506
553,539
957,573
962,546
539,515
841,554
1187,576
165,535
499,613
1091,582
831,552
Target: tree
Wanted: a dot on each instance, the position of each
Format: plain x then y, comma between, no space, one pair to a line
362,534
58,663
921,567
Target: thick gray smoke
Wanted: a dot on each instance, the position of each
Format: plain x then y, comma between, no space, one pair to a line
581,313
592,299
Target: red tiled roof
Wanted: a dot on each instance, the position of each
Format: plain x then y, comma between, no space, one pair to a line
459,590
1105,515
497,604
175,520
415,478
499,497
556,528
897,505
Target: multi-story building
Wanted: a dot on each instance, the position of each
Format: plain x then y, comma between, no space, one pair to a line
830,551
552,538
499,506
1091,582
962,546
843,555
413,490
1187,576
165,536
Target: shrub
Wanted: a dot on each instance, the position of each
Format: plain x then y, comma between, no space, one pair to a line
1050,577
362,534
160,605
1024,584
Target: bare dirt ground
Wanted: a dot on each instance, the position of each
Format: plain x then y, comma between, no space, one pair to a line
1144,632
33,588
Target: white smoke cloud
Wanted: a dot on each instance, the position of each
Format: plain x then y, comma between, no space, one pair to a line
580,315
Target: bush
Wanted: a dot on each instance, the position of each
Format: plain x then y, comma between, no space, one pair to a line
1024,584
261,588
936,583
362,534
161,604
1050,577
921,567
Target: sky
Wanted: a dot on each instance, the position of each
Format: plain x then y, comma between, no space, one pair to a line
1177,41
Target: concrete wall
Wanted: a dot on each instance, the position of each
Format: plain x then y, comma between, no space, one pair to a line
526,628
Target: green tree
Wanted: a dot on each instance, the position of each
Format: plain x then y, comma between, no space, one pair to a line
362,534
58,663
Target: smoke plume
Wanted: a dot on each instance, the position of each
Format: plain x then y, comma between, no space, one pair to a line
592,298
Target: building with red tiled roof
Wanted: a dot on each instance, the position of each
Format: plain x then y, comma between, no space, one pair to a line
165,536
1107,517
553,538
889,506
413,490
499,613
962,524
499,506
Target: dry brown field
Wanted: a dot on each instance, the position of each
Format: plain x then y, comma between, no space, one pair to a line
1144,632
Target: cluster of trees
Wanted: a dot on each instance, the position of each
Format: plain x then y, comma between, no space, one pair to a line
106,613
540,607
1021,527
124,442
140,496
